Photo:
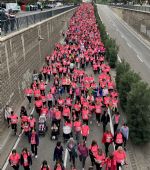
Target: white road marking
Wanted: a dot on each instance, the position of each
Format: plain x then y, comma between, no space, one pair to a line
119,59
15,146
129,44
139,58
65,159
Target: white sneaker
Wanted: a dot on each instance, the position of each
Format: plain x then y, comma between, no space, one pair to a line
82,168
36,156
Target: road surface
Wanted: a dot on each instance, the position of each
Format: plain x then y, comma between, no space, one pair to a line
136,51
131,46
46,146
26,13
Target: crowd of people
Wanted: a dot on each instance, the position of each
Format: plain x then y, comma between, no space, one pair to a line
74,89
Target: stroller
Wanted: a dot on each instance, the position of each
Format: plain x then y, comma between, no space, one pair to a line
42,125
54,131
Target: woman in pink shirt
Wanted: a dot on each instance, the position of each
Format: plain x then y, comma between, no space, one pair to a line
119,157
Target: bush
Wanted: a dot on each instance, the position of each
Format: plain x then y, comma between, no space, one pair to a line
138,112
121,69
127,79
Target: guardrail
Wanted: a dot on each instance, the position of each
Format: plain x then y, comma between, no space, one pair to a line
17,23
133,7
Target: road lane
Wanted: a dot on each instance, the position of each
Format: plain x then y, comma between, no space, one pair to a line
46,145
131,47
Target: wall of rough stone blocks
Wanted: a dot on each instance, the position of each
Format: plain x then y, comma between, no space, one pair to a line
22,52
139,20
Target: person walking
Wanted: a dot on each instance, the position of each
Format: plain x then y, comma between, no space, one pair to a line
83,153
72,147
59,166
125,131
14,160
34,140
45,166
85,131
7,114
13,121
58,152
120,157
107,140
118,139
26,160
116,120
77,128
99,159
93,150
105,119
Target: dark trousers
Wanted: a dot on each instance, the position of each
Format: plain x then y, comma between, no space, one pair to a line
26,168
82,159
107,148
72,158
118,165
34,149
50,103
98,166
98,117
84,138
115,127
14,127
104,127
15,167
29,99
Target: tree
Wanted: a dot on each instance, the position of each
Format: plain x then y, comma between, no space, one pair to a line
138,112
121,68
126,81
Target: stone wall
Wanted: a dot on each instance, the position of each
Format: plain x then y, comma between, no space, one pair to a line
24,51
139,20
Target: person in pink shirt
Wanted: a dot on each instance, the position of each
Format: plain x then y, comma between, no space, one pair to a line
13,121
120,157
99,159
85,131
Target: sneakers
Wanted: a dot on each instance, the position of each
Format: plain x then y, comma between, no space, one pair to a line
36,156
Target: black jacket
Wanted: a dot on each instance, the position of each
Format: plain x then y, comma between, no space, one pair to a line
58,153
105,119
29,159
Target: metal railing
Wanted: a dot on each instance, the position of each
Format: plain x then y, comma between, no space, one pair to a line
17,23
143,8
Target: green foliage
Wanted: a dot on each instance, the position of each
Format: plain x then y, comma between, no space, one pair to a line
138,112
109,43
120,70
126,81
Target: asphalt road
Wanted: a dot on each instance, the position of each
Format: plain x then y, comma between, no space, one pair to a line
132,48
26,13
46,145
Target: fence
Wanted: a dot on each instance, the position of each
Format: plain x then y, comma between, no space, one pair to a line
16,23
134,7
